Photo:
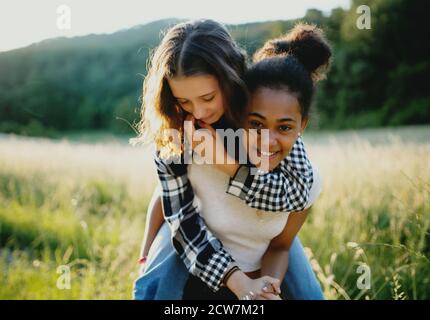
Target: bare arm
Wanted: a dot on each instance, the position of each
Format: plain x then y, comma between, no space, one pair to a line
275,259
154,220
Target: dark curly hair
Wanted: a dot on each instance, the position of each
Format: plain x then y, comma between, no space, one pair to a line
294,62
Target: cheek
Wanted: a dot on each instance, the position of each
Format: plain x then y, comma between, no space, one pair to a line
287,144
218,104
186,108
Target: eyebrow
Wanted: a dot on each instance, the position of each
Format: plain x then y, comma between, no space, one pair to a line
262,117
203,95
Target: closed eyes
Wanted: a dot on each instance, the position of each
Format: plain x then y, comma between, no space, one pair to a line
209,99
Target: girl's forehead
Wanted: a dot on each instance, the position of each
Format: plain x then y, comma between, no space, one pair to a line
275,101
195,85
279,94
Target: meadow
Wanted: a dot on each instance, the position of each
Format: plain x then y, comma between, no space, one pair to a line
80,203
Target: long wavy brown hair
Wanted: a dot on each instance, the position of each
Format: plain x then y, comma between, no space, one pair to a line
189,48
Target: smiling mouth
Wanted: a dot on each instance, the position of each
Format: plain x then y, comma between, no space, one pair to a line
270,155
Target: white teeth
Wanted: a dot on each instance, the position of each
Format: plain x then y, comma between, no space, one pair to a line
267,154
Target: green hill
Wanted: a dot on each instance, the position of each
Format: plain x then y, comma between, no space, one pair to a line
378,76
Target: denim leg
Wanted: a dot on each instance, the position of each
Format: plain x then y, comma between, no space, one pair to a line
165,274
300,282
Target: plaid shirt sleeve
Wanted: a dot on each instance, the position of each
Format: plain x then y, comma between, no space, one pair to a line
202,253
284,189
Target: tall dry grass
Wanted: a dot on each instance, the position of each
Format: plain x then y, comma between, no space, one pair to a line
83,205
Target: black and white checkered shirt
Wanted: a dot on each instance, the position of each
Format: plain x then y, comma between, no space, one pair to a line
284,189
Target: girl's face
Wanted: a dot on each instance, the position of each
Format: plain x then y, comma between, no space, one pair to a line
199,95
278,111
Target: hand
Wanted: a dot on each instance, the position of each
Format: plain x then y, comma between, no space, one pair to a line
215,152
268,296
189,131
204,136
259,287
221,158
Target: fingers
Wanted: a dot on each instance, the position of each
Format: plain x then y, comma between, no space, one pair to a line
207,126
273,284
268,296
189,129
261,297
221,156
250,296
276,286
268,288
190,117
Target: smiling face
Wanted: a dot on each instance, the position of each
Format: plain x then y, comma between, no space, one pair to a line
278,111
199,95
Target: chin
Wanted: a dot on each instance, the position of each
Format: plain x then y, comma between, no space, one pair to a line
213,120
271,166
275,164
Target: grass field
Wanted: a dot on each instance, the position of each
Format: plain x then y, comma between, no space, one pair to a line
81,202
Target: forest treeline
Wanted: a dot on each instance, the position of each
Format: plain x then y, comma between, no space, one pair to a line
379,76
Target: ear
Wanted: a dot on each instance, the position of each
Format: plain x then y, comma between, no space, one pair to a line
304,124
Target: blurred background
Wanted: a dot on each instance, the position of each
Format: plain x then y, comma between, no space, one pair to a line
73,192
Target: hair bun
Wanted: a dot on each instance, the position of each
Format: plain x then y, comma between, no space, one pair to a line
305,42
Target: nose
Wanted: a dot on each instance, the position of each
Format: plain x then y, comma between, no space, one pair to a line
269,139
200,112
273,140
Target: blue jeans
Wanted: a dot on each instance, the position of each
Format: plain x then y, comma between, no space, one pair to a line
165,274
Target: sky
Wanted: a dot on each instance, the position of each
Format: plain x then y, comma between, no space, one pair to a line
23,22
